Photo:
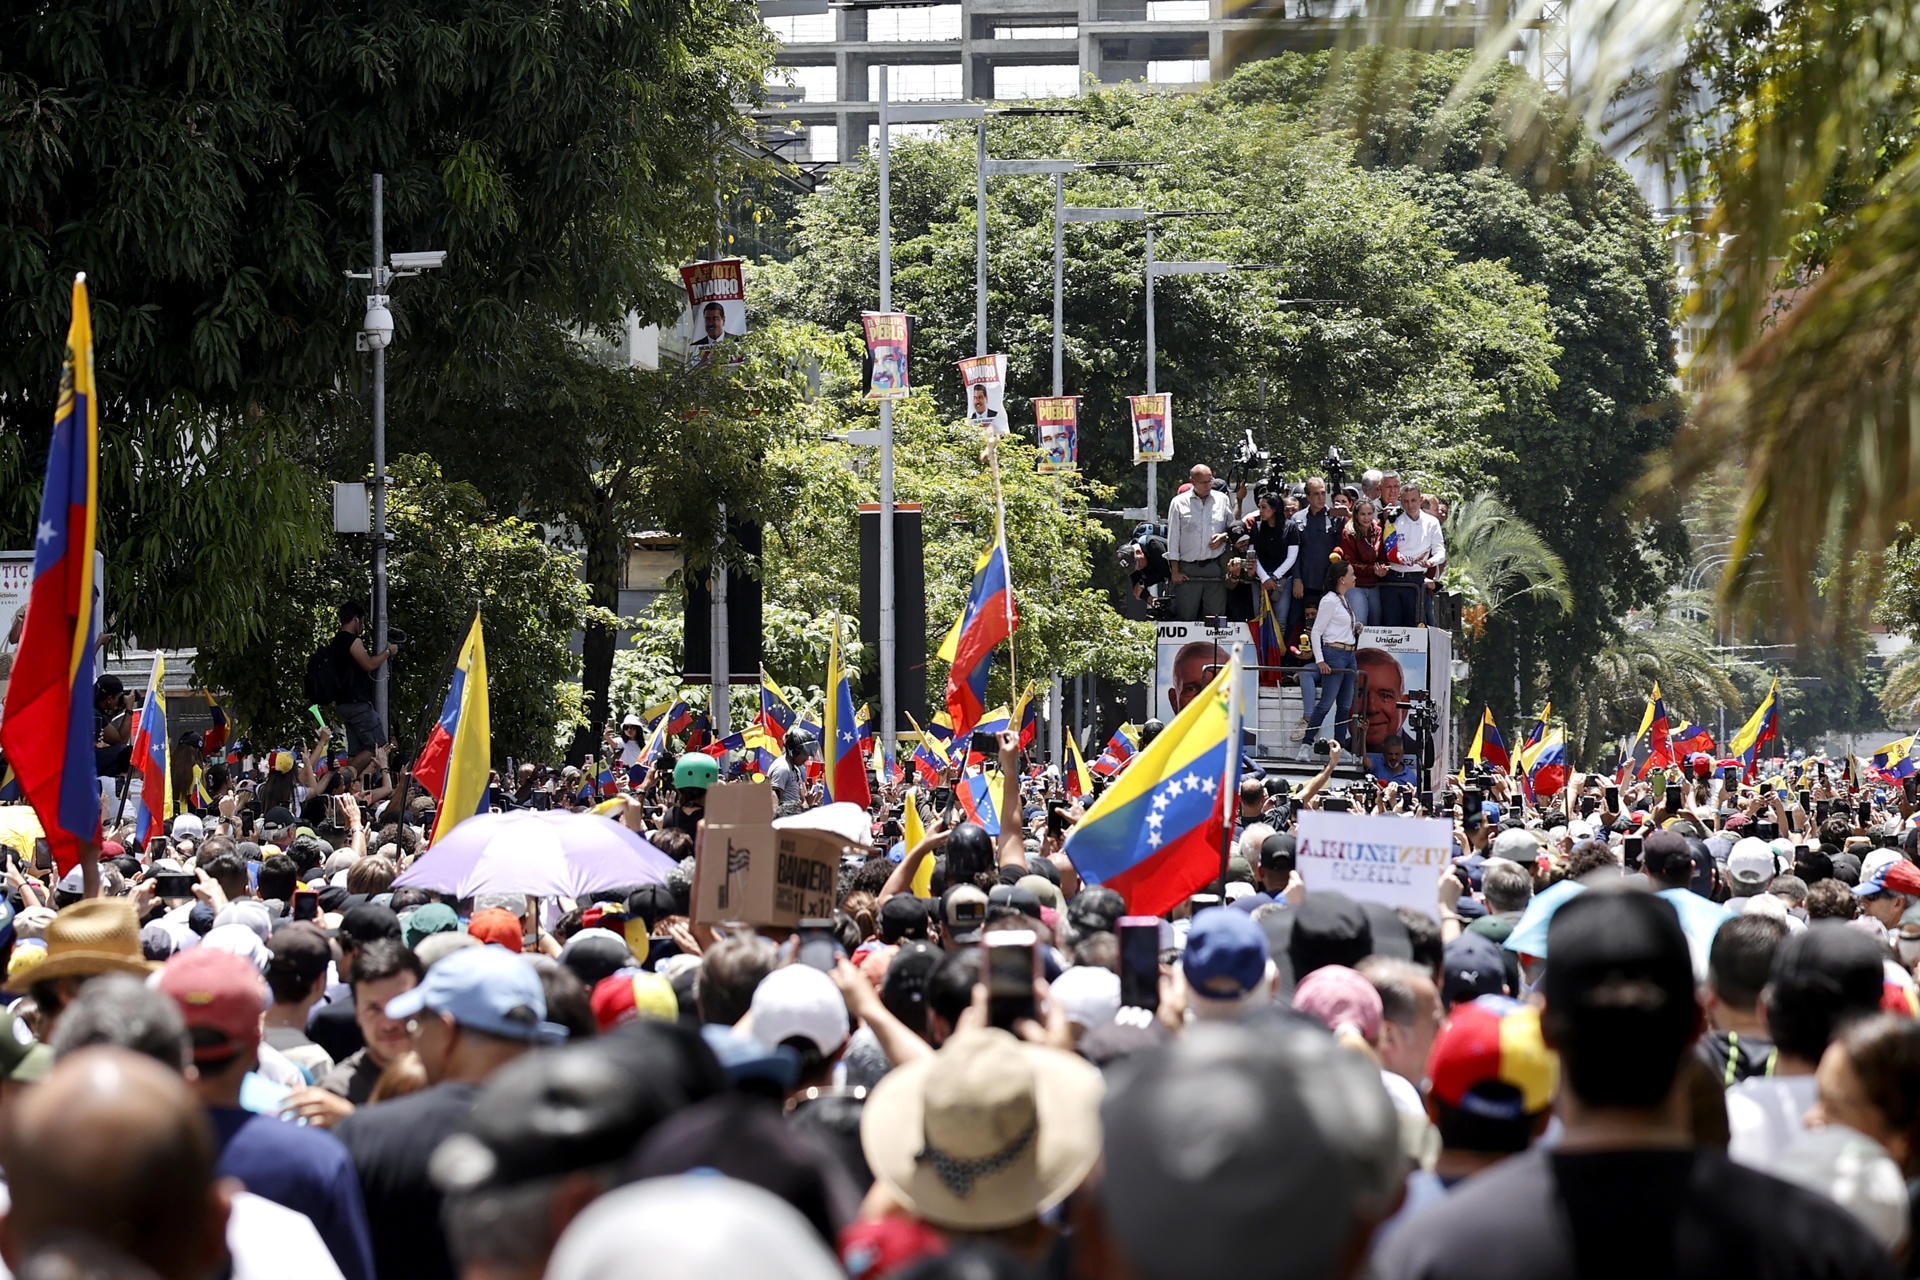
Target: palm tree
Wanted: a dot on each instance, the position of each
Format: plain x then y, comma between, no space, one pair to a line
1900,695
1671,644
1783,132
1494,558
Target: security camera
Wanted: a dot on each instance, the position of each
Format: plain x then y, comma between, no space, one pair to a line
376,330
426,260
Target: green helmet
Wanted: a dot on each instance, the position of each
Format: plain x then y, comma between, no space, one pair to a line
695,771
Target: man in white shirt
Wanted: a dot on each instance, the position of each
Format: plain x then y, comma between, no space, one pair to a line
1200,523
1411,542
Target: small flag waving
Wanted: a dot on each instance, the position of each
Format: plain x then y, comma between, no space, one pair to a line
1155,835
1489,747
988,618
453,764
1761,729
152,759
1079,782
846,776
47,728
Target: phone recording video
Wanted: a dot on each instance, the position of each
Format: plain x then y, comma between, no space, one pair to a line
306,904
1672,796
1630,852
1139,962
1013,957
817,946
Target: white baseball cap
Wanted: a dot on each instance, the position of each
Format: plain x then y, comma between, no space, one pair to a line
1751,865
1088,994
800,1001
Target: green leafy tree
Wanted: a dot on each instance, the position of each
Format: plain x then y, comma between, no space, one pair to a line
451,554
208,167
1669,644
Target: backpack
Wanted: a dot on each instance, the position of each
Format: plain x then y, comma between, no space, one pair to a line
326,683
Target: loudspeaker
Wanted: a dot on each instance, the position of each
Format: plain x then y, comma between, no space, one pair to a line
743,617
909,611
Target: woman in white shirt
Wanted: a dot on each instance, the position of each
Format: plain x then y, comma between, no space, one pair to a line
1336,634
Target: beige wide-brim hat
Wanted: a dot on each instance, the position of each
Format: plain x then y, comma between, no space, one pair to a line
95,935
989,1132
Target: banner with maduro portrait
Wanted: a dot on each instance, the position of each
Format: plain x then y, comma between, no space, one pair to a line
985,380
716,308
1152,427
886,355
1058,421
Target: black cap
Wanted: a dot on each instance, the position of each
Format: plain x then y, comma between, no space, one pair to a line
334,898
1827,968
1608,936
547,1114
902,916
1664,854
1021,900
300,951
277,817
594,954
904,990
1328,928
1276,852
1096,909
1390,936
744,1138
1471,967
367,922
652,903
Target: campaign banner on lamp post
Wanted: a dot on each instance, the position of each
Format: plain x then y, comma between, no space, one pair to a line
1152,427
716,308
985,379
1058,421
1390,860
886,354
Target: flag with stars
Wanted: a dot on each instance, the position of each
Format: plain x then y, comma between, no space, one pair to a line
846,774
975,796
47,731
1155,835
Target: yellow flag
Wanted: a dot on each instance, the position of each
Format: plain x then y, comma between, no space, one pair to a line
913,834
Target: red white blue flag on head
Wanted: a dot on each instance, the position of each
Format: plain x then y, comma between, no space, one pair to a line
47,729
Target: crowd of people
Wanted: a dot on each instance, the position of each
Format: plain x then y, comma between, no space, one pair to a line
1220,551
1638,1030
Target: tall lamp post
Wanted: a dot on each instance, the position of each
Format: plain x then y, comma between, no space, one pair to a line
375,335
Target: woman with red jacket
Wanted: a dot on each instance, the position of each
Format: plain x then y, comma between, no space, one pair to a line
1360,547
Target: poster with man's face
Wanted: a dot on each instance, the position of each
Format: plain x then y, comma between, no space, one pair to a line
1152,427
985,380
1394,662
886,355
1057,419
1188,657
716,308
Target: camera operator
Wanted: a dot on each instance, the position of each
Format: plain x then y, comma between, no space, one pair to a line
1200,525
1413,543
1316,535
112,727
1144,561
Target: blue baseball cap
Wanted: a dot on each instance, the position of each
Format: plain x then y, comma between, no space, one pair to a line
487,989
1492,810
1226,954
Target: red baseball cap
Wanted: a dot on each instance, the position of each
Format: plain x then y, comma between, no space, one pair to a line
496,924
217,992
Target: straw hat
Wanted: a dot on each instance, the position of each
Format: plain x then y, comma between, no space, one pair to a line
989,1132
93,936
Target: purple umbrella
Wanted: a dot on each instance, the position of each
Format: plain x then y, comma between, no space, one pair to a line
549,855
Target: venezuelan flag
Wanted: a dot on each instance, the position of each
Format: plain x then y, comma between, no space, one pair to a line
1270,648
863,722
761,750
930,759
679,718
1537,732
776,717
1156,835
1760,729
453,764
1489,747
47,728
940,728
216,737
1027,715
988,619
202,798
153,759
699,732
1120,749
846,777
975,797
1689,738
591,770
1545,763
1652,747
1078,780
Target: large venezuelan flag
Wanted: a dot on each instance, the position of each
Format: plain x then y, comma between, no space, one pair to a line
846,775
1762,728
454,763
47,727
988,619
1155,835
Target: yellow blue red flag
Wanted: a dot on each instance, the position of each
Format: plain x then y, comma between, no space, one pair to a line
456,759
1155,835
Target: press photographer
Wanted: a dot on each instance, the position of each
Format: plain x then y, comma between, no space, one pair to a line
1144,561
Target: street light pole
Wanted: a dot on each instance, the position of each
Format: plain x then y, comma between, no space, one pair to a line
1153,468
980,236
379,282
889,656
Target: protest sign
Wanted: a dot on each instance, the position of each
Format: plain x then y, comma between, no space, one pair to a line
886,355
1394,861
716,307
1058,421
985,380
747,870
1188,655
1152,427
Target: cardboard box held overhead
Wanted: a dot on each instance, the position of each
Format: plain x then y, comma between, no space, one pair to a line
746,870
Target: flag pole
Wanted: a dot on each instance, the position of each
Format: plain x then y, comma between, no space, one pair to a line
1230,782
1000,541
